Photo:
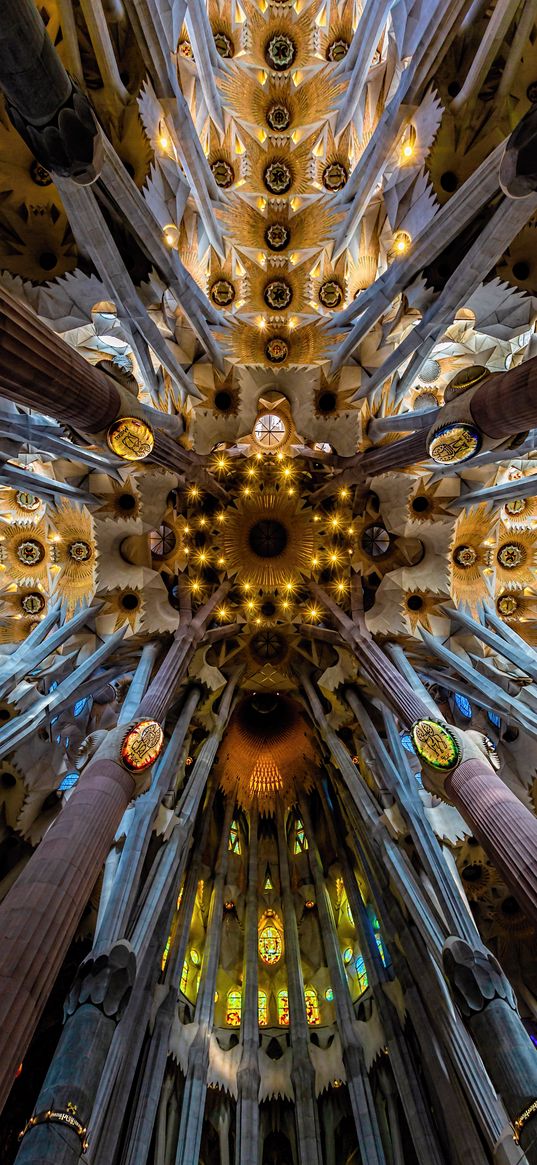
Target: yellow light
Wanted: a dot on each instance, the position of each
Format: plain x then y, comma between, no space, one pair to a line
220,517
195,585
221,463
334,522
351,531
247,491
290,492
202,557
203,522
286,604
312,612
293,322
315,560
171,235
247,586
279,457
222,613
408,150
261,204
334,557
289,586
186,529
344,492
194,492
164,142
316,518
251,471
221,561
401,242
258,621
295,203
261,323
287,471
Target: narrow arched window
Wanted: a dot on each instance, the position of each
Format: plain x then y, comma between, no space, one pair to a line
262,1008
312,1005
234,1007
283,1008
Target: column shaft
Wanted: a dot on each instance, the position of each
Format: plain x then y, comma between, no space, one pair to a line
360,1095
248,1077
191,1128
302,1074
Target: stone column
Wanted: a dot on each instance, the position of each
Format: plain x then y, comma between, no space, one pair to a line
94,1006
302,1073
415,1105
487,1004
363,1107
503,825
248,1076
40,914
154,1069
46,107
191,1127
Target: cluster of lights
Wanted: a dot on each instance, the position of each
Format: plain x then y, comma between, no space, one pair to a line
291,600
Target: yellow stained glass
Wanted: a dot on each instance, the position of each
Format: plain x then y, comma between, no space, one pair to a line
270,944
283,1008
312,1005
262,1008
234,1007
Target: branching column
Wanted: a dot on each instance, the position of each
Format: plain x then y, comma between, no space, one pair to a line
40,914
503,825
248,1077
361,1098
302,1074
190,1131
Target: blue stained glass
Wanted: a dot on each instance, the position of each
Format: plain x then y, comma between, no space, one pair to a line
79,706
406,741
494,719
361,973
464,706
54,719
380,946
68,781
53,686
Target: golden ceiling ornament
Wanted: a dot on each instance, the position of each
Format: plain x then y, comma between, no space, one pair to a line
142,745
268,539
280,21
515,558
74,554
419,607
20,505
121,606
122,499
25,554
470,555
271,761
130,438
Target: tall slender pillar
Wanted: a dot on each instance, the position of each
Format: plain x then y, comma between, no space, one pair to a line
503,825
102,1132
40,914
191,1127
361,1098
248,1076
487,1003
302,1072
408,1085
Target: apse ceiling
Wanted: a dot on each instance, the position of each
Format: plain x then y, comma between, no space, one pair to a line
297,251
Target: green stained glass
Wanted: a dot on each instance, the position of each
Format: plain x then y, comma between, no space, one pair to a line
361,973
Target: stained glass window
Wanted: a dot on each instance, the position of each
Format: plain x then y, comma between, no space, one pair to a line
347,954
283,1008
195,956
184,976
380,946
234,1007
270,940
463,705
165,954
69,780
262,1008
312,1005
349,915
268,880
493,718
79,706
301,841
361,973
329,994
234,838
406,741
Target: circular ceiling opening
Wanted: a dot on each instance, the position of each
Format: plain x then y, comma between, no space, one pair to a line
269,430
268,538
